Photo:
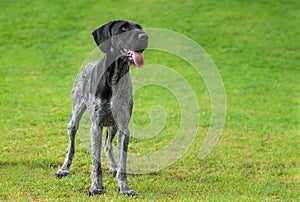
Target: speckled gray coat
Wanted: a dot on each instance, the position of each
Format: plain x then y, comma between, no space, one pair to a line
104,88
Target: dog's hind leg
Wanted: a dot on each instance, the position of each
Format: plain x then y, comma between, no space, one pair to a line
110,134
72,129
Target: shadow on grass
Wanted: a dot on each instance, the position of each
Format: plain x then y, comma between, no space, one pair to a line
36,163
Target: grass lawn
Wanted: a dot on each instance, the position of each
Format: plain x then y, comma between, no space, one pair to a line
254,44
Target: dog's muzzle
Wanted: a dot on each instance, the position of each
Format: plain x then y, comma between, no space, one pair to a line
134,54
136,57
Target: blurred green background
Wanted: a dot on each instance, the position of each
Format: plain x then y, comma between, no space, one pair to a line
254,44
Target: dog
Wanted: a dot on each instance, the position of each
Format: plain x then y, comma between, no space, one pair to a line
104,88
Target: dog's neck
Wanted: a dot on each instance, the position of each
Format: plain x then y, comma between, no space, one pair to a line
116,70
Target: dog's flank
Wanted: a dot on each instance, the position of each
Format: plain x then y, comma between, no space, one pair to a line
104,89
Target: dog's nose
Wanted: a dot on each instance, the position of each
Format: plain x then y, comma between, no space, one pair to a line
143,36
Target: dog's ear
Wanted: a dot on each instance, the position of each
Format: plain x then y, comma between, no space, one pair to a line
102,36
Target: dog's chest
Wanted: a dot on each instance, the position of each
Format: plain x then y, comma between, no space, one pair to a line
107,111
113,96
103,112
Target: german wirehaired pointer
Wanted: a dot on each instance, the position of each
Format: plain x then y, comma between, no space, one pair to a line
104,89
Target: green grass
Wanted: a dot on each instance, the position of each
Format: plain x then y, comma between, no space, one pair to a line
254,44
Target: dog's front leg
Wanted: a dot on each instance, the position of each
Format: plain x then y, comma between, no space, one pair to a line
96,143
123,140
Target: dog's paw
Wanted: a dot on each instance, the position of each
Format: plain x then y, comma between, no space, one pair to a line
113,171
62,173
128,192
94,191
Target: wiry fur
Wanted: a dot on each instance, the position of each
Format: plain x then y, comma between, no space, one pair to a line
104,89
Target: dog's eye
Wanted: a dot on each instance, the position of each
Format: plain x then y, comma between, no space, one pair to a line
124,28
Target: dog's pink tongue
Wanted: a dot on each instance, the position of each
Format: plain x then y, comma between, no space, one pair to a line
138,59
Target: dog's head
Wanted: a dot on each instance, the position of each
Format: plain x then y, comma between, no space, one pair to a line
123,38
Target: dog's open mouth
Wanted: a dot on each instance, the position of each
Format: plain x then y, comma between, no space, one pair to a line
135,56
